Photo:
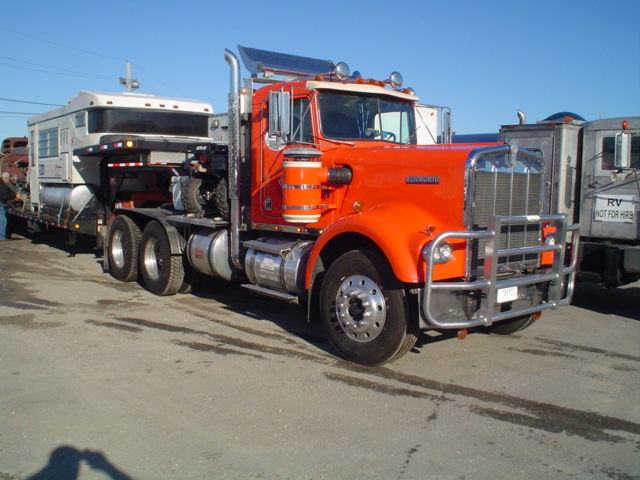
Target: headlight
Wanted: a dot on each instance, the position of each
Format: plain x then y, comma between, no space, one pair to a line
442,253
550,239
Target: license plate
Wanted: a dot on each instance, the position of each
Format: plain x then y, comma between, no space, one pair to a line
507,294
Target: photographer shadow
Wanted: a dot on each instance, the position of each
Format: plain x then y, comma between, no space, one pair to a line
65,462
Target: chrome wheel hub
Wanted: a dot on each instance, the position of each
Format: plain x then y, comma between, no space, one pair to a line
360,308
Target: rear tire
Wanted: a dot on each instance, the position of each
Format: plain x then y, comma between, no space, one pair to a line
365,310
162,273
124,244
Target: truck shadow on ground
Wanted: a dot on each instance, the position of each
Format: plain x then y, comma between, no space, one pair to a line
55,238
288,317
65,464
622,301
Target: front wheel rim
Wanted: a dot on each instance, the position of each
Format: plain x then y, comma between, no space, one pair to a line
360,308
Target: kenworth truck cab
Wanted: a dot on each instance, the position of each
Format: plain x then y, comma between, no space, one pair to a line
317,190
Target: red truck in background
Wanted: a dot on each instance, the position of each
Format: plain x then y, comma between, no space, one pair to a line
15,157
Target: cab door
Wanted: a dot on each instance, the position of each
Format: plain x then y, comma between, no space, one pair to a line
268,173
610,203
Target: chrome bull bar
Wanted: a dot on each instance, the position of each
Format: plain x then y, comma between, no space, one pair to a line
561,279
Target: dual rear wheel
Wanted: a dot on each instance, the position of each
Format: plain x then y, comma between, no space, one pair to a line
145,256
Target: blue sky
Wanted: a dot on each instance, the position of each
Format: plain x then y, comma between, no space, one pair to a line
482,59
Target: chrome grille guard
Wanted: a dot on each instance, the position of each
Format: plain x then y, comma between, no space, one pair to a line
561,279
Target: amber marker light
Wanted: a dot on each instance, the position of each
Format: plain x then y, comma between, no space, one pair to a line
76,226
462,333
625,124
358,206
536,315
129,143
568,119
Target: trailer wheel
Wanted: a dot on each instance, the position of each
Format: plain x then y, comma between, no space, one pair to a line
507,327
162,273
365,311
124,244
198,195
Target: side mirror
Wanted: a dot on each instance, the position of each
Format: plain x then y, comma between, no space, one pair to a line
622,155
279,113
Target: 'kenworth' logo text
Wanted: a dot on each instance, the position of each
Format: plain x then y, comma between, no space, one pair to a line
423,180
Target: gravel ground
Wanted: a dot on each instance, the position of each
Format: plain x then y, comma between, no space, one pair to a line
102,380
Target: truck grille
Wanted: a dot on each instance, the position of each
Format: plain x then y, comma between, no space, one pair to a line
506,185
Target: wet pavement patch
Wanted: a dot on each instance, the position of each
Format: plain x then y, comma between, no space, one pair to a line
26,322
217,349
116,326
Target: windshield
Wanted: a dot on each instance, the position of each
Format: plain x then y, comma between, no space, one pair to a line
361,117
147,121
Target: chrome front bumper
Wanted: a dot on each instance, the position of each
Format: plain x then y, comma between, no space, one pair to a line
556,282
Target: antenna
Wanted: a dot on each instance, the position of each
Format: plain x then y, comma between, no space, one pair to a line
130,83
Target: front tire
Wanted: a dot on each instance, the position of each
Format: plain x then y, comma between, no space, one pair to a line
162,273
365,310
124,244
507,327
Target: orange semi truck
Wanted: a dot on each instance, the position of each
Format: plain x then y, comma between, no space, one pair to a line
316,190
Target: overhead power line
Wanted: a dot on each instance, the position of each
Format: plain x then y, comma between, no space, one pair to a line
60,71
57,73
61,45
32,103
19,113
